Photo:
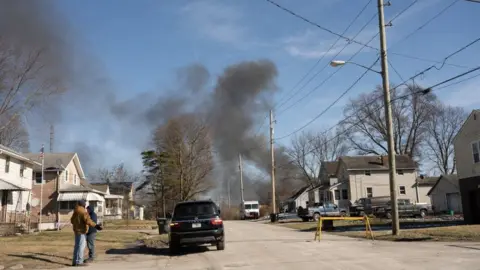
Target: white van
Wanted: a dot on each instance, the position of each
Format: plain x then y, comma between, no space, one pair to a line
249,209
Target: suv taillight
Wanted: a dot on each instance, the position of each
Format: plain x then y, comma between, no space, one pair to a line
174,225
216,221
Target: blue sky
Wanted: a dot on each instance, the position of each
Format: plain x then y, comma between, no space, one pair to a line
141,44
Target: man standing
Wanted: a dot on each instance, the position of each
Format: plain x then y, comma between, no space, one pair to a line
80,222
91,235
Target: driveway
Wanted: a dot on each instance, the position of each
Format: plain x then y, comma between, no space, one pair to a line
252,245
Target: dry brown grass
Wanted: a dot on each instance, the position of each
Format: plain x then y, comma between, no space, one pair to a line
447,234
54,249
122,224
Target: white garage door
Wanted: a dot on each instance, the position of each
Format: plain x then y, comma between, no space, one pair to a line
454,202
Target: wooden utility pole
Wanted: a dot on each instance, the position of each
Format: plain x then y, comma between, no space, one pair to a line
274,206
240,167
52,137
388,117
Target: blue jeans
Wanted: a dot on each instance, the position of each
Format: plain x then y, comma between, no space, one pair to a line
79,249
91,245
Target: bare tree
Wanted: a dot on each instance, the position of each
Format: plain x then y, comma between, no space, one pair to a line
366,125
14,134
187,141
310,149
443,125
25,81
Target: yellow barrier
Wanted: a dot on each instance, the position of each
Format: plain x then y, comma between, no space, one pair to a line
368,228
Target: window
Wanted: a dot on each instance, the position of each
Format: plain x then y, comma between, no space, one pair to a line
476,152
403,191
66,176
322,196
7,164
337,194
369,192
368,173
74,179
68,205
344,194
38,178
400,172
22,168
194,210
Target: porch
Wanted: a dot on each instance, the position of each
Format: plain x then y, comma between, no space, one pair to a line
10,206
113,206
68,200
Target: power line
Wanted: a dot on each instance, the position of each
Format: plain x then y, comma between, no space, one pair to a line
325,80
426,90
426,23
333,58
331,47
317,25
326,65
332,104
403,83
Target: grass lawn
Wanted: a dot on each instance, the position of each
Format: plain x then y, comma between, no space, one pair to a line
54,249
448,232
122,224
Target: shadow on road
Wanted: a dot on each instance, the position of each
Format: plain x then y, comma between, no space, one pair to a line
36,257
158,251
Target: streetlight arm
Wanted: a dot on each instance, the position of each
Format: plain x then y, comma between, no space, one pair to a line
365,67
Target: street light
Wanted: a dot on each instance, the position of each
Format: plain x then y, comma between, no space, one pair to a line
338,63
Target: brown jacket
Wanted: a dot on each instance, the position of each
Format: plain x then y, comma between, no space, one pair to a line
81,220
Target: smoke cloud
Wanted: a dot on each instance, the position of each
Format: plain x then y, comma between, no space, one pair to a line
234,106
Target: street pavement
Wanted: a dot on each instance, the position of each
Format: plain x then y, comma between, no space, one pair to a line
253,245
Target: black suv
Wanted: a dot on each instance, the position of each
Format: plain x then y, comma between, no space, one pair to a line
196,223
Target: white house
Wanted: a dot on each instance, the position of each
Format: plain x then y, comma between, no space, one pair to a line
16,173
445,194
422,186
368,176
300,198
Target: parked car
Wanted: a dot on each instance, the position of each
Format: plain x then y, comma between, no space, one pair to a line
196,223
405,209
321,209
367,206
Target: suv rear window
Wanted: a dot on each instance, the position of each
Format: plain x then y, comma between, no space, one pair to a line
195,210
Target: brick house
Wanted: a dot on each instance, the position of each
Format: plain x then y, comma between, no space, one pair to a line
64,185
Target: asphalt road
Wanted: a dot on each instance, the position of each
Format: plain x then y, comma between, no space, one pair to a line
252,245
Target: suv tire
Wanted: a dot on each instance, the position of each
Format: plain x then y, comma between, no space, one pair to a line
221,245
173,248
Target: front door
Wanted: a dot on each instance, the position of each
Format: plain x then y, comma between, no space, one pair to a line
454,202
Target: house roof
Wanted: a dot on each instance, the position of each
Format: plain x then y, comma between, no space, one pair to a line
120,187
74,188
331,167
100,187
426,181
377,162
52,160
5,185
55,161
452,178
475,112
10,152
299,192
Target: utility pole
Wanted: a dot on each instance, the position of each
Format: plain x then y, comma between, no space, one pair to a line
272,150
228,187
52,133
240,167
388,117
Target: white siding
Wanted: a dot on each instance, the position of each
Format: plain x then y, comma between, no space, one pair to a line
302,200
379,182
439,195
469,133
19,199
422,195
